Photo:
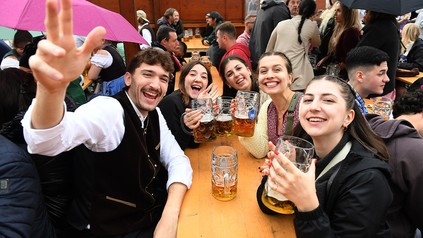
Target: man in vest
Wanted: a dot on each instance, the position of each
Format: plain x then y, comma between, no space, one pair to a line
132,175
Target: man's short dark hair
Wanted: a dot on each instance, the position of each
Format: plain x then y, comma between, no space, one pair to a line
215,15
228,29
151,56
409,103
364,56
164,33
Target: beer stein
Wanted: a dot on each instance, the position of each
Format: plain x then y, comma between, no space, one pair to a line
300,152
195,56
383,106
333,70
205,131
246,112
224,122
224,168
206,61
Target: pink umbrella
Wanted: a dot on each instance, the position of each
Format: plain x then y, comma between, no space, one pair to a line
30,15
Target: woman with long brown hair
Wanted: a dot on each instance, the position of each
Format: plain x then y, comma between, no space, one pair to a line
346,191
345,36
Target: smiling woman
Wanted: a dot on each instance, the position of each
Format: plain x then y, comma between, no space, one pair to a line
195,81
279,115
349,176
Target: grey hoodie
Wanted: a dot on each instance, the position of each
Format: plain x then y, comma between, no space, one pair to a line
405,146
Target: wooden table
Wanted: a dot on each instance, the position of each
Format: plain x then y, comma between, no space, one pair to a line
87,82
204,216
410,80
195,44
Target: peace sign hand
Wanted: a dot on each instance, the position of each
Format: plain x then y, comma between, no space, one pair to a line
58,61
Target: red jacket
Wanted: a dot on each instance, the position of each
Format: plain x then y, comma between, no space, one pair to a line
239,50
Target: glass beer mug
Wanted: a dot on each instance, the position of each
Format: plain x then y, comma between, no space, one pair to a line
383,107
246,112
300,152
205,131
224,170
224,122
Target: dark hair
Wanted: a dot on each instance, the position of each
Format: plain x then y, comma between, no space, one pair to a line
169,12
17,89
215,15
307,9
163,33
364,56
151,56
379,16
185,71
21,37
29,51
228,29
183,46
409,103
223,64
359,128
288,63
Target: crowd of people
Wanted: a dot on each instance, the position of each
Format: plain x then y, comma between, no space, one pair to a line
66,156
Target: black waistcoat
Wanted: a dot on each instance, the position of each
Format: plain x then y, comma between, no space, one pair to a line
118,190
117,68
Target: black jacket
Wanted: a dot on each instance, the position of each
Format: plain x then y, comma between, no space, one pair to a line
357,200
384,35
173,107
268,17
414,57
22,209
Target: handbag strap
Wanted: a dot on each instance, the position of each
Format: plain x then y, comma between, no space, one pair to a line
291,113
338,158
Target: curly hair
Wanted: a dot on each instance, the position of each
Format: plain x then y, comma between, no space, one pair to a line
409,103
151,56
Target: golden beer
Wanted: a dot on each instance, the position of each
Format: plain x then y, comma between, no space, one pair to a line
244,126
224,173
282,207
224,125
206,130
221,194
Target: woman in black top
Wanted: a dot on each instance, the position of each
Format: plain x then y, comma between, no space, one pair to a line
195,82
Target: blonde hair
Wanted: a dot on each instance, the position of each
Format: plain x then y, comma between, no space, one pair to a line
351,19
411,32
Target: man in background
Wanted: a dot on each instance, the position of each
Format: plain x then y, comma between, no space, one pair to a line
226,38
171,19
403,138
244,38
294,7
367,69
270,14
213,19
168,41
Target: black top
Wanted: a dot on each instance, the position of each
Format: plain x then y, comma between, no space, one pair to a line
385,36
172,107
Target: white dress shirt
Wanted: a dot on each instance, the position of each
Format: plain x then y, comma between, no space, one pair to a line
99,125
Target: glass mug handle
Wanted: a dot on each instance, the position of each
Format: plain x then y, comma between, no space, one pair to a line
226,183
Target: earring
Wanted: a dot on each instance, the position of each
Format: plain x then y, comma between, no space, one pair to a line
345,127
